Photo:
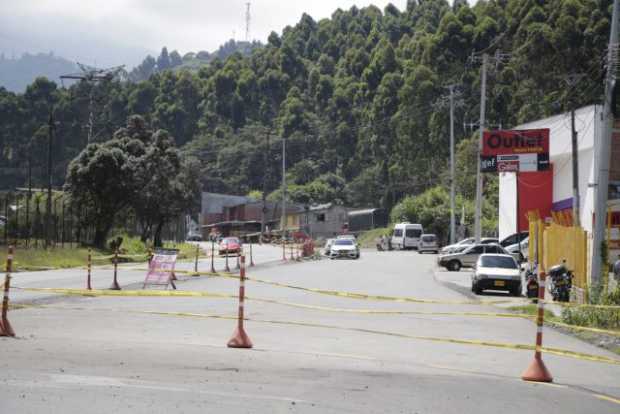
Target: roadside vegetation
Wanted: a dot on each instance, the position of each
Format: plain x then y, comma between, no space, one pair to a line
131,250
368,238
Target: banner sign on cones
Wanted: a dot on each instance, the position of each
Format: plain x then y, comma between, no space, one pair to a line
161,268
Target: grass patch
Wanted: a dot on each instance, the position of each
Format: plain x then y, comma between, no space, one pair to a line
132,250
533,310
369,238
41,259
593,317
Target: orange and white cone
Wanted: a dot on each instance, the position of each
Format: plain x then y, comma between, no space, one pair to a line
537,371
5,326
240,338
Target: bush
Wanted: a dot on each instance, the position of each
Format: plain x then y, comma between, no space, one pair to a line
604,318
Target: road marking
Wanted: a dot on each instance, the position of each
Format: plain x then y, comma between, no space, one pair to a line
607,398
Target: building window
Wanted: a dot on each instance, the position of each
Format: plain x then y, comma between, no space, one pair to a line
320,217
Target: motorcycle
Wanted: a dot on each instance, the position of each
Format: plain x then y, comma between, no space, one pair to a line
561,282
531,284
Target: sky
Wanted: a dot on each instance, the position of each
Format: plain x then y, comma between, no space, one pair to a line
114,32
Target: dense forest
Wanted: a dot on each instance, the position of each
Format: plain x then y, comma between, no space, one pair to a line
355,96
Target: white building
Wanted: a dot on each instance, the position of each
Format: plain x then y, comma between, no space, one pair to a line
553,191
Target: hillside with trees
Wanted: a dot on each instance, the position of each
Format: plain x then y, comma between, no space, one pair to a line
17,73
354,96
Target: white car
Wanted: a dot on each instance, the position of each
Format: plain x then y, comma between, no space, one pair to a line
496,272
428,243
521,251
344,248
452,248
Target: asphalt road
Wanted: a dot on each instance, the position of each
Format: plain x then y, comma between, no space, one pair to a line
313,352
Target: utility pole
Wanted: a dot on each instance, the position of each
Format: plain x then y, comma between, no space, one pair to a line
452,203
575,153
497,58
603,153
48,215
93,76
264,197
283,187
571,81
478,213
452,101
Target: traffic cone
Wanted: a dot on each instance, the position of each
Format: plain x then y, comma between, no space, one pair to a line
240,339
537,372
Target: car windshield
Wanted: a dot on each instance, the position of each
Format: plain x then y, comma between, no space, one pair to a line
230,240
466,241
343,242
428,239
498,261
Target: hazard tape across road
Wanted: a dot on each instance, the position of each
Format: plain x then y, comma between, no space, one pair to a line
471,342
185,293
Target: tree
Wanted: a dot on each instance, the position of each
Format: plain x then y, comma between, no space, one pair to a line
163,61
100,183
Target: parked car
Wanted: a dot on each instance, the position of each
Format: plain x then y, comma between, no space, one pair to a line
344,248
347,237
406,236
521,250
428,243
328,246
469,256
230,245
194,237
514,238
467,242
496,272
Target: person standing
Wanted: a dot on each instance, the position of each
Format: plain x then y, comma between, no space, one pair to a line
616,270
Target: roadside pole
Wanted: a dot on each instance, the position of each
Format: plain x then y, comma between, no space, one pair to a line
478,213
603,154
452,190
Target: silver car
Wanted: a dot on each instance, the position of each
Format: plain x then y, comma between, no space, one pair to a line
428,243
496,272
344,248
468,257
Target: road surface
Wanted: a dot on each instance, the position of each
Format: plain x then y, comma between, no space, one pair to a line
314,352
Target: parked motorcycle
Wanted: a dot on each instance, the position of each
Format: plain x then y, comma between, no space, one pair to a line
561,282
531,284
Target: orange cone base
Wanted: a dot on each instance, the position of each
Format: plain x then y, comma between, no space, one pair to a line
537,372
240,339
6,329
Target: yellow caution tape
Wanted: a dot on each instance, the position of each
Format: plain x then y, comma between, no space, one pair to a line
184,293
364,296
493,344
102,292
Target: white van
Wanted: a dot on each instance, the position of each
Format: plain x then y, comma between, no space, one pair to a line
406,235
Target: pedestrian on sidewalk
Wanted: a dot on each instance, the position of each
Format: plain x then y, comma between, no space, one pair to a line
616,270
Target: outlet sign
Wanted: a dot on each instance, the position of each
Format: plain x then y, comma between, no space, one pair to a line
515,150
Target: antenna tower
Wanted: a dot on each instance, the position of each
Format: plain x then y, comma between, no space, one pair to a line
247,21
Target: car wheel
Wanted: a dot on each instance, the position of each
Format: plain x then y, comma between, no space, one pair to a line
454,265
476,289
516,291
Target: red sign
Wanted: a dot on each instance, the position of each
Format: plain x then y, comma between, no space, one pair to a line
161,268
529,141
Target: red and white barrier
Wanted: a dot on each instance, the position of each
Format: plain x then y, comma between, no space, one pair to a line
5,327
537,371
240,339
